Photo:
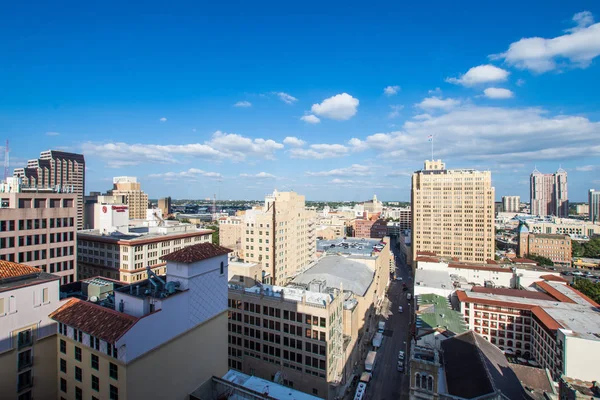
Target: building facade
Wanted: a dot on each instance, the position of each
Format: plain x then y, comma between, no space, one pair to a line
555,247
511,203
594,205
230,234
402,214
164,205
367,228
57,170
38,228
373,206
27,335
130,189
453,212
549,193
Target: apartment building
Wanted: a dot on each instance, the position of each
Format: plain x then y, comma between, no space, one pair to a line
594,205
555,247
124,256
27,335
582,209
511,203
38,227
174,324
402,214
453,212
133,195
58,170
164,205
549,193
556,326
279,235
230,234
576,229
369,228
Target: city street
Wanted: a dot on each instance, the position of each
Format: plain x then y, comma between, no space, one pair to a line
387,382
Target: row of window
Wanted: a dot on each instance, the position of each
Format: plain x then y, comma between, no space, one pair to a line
113,391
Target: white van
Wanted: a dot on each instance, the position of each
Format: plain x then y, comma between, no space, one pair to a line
408,296
399,308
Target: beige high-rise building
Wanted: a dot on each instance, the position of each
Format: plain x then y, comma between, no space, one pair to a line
280,235
230,233
511,203
453,212
135,198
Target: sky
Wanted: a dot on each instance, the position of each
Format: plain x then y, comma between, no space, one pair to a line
334,100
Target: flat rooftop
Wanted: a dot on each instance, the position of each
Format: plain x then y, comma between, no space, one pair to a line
139,233
349,246
433,279
271,389
434,311
288,293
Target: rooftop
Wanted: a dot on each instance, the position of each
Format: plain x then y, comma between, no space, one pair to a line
141,234
433,311
104,323
197,252
351,246
528,294
355,276
288,293
271,389
14,275
433,279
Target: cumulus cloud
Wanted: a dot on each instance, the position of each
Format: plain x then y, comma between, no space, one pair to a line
320,151
311,119
395,111
480,74
293,141
192,173
286,98
353,170
52,133
391,90
260,175
339,107
163,119
434,102
577,48
498,93
243,104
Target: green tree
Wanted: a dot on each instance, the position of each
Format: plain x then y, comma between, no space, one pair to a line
215,235
577,249
592,248
540,259
587,287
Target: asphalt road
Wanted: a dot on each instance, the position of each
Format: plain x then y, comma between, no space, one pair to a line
387,382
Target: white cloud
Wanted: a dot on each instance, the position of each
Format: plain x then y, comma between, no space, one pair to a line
437,91
579,47
586,168
239,146
52,133
498,93
293,141
286,98
434,102
421,117
192,173
395,111
339,107
243,104
260,175
163,119
320,151
480,74
391,90
311,119
520,82
353,170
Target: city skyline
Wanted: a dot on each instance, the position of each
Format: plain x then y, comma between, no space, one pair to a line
346,105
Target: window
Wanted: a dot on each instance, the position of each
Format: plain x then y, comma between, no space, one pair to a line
25,360
78,393
78,374
63,385
63,365
95,383
25,396
114,393
417,380
25,338
63,346
114,371
78,353
222,268
95,362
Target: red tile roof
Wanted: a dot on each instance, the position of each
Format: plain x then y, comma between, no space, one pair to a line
490,261
13,270
480,267
428,259
104,323
526,294
554,278
524,261
554,292
426,253
546,319
197,252
463,297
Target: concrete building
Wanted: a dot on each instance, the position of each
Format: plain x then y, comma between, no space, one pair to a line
58,170
230,234
133,195
511,203
576,229
549,193
107,348
582,209
453,212
554,326
594,205
27,336
124,254
373,206
369,228
402,214
555,247
164,205
38,227
280,236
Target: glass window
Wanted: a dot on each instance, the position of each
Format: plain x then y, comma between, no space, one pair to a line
95,362
95,383
78,374
78,353
114,393
114,371
63,346
63,365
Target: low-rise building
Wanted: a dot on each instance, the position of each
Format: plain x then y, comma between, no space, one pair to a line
575,228
369,228
402,214
552,246
576,389
582,209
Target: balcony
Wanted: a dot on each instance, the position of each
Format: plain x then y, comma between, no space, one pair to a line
25,383
25,363
25,339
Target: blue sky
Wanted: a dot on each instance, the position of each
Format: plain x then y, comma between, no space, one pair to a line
334,100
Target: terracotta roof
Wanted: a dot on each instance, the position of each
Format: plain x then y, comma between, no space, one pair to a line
197,252
524,261
554,292
554,278
428,259
480,267
526,294
463,297
104,323
490,261
426,253
13,270
545,318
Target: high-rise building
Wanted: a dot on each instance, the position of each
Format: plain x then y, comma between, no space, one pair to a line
134,196
549,193
62,171
164,205
453,212
511,203
594,205
38,227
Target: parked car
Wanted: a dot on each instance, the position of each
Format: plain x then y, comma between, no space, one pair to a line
400,309
400,367
401,355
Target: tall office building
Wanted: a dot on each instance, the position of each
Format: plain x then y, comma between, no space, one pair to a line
453,212
134,196
59,170
549,193
594,205
165,205
511,203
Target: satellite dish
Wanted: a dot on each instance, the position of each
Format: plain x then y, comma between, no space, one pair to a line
94,299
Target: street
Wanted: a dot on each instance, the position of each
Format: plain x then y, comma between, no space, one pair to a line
387,382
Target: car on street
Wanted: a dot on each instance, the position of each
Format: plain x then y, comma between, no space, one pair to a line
398,278
400,367
401,355
399,308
